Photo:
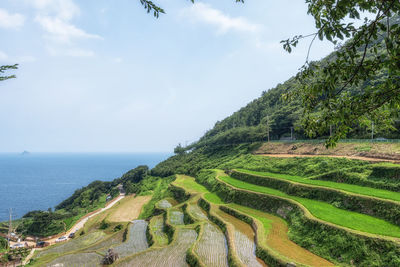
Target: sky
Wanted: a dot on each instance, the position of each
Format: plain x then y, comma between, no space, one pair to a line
105,76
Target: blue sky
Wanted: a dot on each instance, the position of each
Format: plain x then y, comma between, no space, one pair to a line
105,76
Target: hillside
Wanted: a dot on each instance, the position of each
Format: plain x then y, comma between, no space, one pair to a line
249,124
269,211
231,200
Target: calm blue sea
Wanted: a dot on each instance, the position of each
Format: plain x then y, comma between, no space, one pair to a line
40,181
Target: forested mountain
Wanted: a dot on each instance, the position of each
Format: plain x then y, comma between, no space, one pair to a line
272,111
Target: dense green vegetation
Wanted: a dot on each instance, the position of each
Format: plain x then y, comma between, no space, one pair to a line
362,190
46,223
3,244
158,188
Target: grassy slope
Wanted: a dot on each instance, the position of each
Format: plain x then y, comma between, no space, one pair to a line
361,190
327,212
189,184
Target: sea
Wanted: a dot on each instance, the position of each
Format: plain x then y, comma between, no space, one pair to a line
39,181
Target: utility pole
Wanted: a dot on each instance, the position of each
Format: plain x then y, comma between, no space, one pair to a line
268,127
330,130
9,226
291,133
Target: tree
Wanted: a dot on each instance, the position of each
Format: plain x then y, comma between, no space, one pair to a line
179,149
136,175
362,77
5,68
110,257
156,10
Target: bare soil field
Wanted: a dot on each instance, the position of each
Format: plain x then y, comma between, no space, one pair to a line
389,152
128,209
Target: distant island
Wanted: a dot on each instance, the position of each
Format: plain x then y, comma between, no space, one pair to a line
25,153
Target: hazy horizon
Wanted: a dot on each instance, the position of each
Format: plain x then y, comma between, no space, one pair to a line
101,76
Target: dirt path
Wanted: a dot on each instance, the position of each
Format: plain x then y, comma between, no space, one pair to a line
77,226
128,209
329,156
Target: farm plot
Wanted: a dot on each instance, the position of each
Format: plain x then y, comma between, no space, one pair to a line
164,204
197,213
361,190
74,244
189,184
176,217
173,255
106,243
136,240
326,212
128,209
277,238
244,240
212,248
77,260
157,228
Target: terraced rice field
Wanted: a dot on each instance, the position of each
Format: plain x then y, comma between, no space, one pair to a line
190,185
77,260
74,244
157,228
106,243
212,248
136,240
243,240
173,255
176,217
361,190
213,198
164,204
326,212
197,213
277,239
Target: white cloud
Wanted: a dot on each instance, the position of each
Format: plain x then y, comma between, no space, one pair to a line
3,56
11,21
61,31
117,60
205,13
63,9
62,36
